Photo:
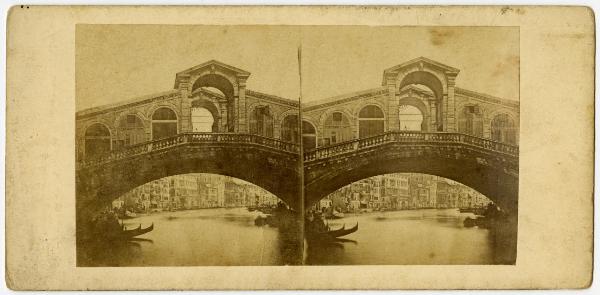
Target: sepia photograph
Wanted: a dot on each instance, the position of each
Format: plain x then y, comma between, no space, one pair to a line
299,147
407,151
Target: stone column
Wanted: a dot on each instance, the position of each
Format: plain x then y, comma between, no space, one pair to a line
432,116
393,122
241,107
223,117
487,127
185,108
451,111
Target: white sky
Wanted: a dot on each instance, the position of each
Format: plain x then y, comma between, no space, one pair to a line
118,62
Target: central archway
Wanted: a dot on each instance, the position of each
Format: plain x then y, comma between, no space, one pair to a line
434,84
411,118
227,88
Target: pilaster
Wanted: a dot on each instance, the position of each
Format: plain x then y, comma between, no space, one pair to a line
451,110
393,122
241,106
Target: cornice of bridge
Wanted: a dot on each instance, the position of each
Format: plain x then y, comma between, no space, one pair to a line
326,102
270,97
136,101
486,97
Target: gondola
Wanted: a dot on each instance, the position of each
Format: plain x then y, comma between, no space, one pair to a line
331,235
128,234
342,231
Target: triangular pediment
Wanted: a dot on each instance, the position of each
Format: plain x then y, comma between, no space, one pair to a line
421,62
214,64
211,66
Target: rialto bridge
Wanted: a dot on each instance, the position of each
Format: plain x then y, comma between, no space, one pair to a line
416,121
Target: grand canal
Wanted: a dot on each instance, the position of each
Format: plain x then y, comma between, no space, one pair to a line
230,237
429,236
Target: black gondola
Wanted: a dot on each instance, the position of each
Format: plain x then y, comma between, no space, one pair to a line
128,234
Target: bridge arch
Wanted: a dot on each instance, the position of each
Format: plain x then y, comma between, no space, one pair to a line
491,169
222,82
431,79
99,183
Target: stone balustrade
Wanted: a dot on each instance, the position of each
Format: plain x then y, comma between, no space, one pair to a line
410,138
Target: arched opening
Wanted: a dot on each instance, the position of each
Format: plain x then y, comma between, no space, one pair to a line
97,141
370,121
218,84
192,211
164,123
202,120
411,118
309,136
337,128
130,131
503,129
427,83
261,121
470,121
289,129
205,115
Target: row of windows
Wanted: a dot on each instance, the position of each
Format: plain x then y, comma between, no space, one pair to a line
337,127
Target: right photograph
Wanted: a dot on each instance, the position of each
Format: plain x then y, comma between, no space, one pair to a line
410,138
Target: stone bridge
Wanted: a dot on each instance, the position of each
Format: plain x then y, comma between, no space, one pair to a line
418,120
492,168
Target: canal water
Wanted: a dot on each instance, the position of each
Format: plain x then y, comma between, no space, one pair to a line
229,237
429,236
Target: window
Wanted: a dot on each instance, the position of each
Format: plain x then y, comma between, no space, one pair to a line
290,131
470,121
337,128
309,136
97,141
261,121
130,131
370,121
164,123
503,129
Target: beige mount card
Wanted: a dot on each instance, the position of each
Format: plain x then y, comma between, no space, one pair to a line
258,147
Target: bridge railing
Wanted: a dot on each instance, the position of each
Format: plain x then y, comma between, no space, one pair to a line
191,138
409,137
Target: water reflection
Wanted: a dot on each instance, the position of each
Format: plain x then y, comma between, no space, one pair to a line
198,237
230,237
431,236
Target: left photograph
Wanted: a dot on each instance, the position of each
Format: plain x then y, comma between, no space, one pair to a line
188,146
